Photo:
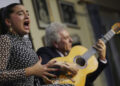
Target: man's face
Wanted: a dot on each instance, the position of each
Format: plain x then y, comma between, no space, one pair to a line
65,43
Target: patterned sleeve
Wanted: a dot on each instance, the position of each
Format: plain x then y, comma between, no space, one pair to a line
5,74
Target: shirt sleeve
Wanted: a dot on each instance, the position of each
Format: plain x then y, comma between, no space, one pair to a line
5,74
103,61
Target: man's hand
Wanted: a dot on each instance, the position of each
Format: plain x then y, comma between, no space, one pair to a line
101,48
68,67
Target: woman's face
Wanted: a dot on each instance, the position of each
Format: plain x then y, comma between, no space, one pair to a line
19,20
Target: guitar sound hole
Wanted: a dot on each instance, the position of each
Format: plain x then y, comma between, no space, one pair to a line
80,61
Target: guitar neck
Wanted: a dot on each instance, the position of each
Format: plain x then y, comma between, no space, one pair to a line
108,36
92,50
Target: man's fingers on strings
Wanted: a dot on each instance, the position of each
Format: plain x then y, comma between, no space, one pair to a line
101,42
99,45
99,50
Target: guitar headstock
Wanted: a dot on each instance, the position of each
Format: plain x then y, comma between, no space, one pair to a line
116,28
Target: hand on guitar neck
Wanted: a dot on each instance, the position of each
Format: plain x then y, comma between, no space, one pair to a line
101,48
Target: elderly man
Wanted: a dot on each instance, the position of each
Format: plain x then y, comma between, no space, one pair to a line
59,44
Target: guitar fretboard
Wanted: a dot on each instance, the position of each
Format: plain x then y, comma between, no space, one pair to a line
92,50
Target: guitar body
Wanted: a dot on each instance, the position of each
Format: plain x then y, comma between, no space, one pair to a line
80,78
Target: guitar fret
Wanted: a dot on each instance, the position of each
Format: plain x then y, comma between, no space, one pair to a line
108,36
104,39
89,53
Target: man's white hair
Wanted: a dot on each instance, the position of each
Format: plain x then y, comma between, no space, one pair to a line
52,33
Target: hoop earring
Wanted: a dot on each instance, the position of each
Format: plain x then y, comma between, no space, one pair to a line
11,30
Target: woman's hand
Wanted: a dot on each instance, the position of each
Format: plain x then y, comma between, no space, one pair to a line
42,70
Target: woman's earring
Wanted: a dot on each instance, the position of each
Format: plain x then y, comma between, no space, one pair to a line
11,30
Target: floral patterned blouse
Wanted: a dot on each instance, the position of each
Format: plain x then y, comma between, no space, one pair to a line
16,53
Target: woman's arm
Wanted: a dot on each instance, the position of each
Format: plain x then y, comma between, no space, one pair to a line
5,74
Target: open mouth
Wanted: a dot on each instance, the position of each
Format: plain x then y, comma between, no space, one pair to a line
26,24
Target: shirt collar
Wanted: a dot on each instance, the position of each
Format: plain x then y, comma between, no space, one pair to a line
61,54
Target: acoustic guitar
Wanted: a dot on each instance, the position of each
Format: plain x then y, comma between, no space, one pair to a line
84,59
